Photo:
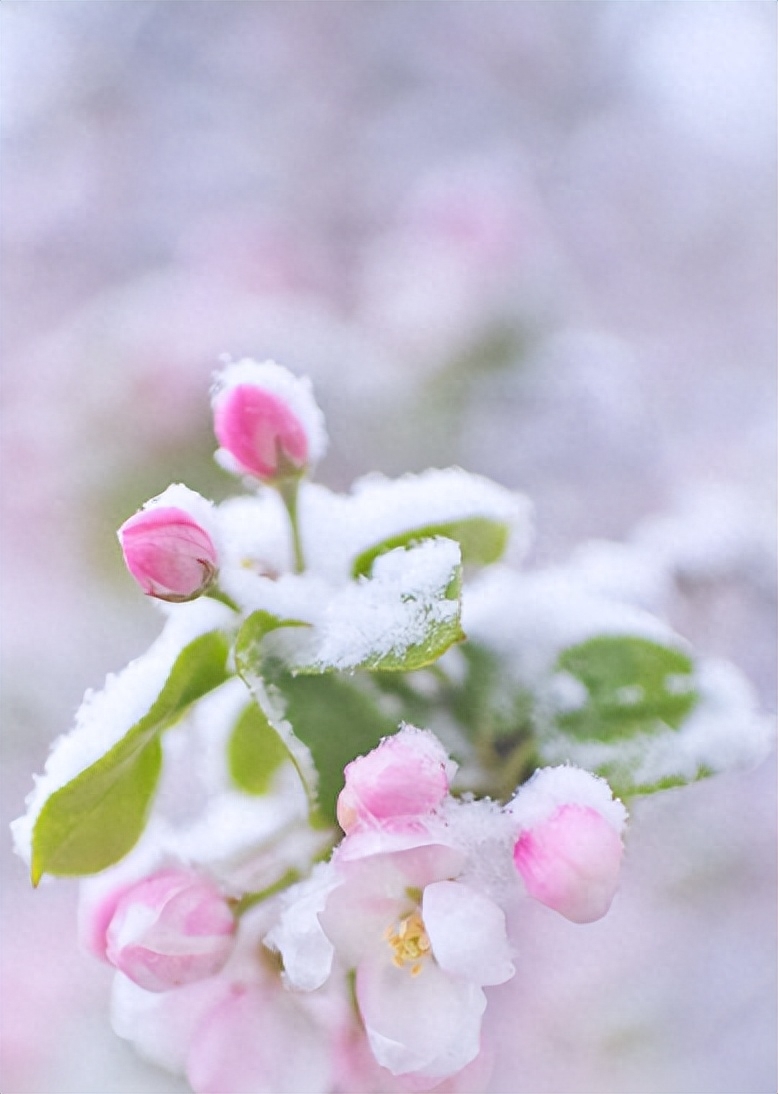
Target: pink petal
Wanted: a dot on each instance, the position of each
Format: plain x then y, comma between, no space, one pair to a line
259,431
571,862
257,1041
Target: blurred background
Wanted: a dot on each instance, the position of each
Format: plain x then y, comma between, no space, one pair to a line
534,239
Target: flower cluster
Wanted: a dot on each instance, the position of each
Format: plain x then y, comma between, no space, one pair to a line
299,889
403,905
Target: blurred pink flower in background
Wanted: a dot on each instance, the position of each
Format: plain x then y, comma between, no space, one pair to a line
534,239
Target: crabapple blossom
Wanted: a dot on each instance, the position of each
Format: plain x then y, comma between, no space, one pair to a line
172,928
422,944
167,547
238,1031
405,777
569,848
266,421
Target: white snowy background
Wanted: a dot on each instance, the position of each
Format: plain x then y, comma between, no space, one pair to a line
537,240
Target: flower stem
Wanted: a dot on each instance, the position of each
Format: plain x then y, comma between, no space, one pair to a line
249,900
288,489
215,593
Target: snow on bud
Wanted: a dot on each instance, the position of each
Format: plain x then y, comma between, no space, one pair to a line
266,421
170,929
406,776
167,547
569,847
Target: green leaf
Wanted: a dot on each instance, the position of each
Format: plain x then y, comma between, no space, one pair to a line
337,719
482,540
633,686
624,785
256,657
323,721
94,820
255,751
489,704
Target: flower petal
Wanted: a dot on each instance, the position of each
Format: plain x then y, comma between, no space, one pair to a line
306,950
467,932
161,1025
257,1041
429,1024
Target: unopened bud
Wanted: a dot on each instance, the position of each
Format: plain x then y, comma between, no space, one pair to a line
172,928
266,421
406,776
569,848
168,552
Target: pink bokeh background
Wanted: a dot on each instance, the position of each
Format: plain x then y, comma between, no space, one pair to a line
537,240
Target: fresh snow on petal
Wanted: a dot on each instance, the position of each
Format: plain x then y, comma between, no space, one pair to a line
161,1025
256,1040
551,787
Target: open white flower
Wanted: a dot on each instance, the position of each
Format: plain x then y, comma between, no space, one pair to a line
422,943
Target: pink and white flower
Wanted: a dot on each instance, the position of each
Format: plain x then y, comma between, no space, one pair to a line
168,547
405,777
423,945
238,1032
170,929
266,421
569,847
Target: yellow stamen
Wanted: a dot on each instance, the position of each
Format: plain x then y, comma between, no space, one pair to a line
409,941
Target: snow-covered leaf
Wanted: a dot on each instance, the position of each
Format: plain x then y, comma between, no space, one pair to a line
482,541
402,618
95,819
630,685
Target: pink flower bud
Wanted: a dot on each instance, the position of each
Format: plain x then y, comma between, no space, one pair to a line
569,847
570,862
266,421
169,553
261,433
406,776
170,929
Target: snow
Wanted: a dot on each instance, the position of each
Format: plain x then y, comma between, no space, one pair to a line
550,610
395,609
551,787
106,716
336,529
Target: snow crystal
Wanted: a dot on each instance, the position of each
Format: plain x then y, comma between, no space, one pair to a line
393,610
549,611
253,535
551,787
337,529
178,496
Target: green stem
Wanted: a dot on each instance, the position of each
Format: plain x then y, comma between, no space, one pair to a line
215,593
288,489
249,900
